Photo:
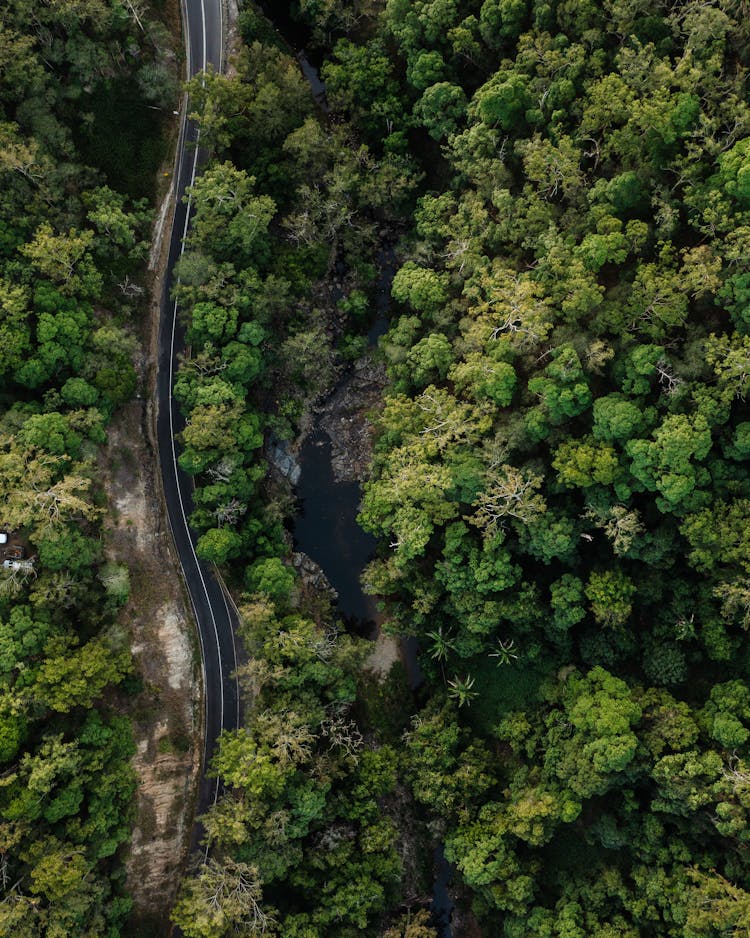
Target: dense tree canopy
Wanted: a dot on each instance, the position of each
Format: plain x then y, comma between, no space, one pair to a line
561,472
559,484
72,236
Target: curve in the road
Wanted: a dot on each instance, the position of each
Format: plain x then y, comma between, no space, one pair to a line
215,615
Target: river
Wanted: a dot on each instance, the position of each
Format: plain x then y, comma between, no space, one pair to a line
326,530
326,526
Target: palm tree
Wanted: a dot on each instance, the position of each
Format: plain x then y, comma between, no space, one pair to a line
504,652
442,645
461,689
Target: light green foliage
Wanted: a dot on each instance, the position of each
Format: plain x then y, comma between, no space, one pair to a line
71,290
618,419
359,81
221,896
212,323
503,100
115,579
553,169
441,108
67,548
610,593
559,479
598,518
718,536
667,463
74,676
583,463
735,171
412,925
65,259
15,332
563,390
218,545
426,69
423,289
714,905
430,359
300,777
485,379
566,602
231,222
271,577
450,773
602,711
116,226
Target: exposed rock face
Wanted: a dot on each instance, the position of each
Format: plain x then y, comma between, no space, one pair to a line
284,461
167,713
344,417
386,651
311,574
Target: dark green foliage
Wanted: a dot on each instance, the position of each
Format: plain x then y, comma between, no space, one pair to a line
75,84
125,137
286,202
561,467
307,819
560,480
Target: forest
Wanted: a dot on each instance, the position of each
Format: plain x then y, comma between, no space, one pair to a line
74,228
559,484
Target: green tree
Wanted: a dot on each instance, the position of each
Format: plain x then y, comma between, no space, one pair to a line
441,108
231,221
610,594
218,545
425,290
271,577
66,260
222,896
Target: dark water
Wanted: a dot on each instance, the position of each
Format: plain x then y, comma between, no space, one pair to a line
326,529
312,75
410,653
442,907
386,261
326,526
292,28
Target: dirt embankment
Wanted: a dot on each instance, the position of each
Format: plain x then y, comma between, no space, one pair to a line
167,710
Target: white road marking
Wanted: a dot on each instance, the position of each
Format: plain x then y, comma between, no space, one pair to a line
191,73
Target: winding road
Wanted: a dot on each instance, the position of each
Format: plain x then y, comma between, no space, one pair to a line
215,615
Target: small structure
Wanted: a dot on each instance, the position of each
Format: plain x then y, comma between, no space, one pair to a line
3,538
18,564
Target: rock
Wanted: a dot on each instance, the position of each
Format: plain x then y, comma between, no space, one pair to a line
344,418
284,462
312,574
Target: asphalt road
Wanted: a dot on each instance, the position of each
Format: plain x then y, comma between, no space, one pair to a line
214,615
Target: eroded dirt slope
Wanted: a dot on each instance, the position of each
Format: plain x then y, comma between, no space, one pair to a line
166,712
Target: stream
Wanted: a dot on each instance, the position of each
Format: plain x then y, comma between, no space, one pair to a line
326,530
326,526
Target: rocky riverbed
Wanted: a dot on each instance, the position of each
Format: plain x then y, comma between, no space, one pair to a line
345,418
